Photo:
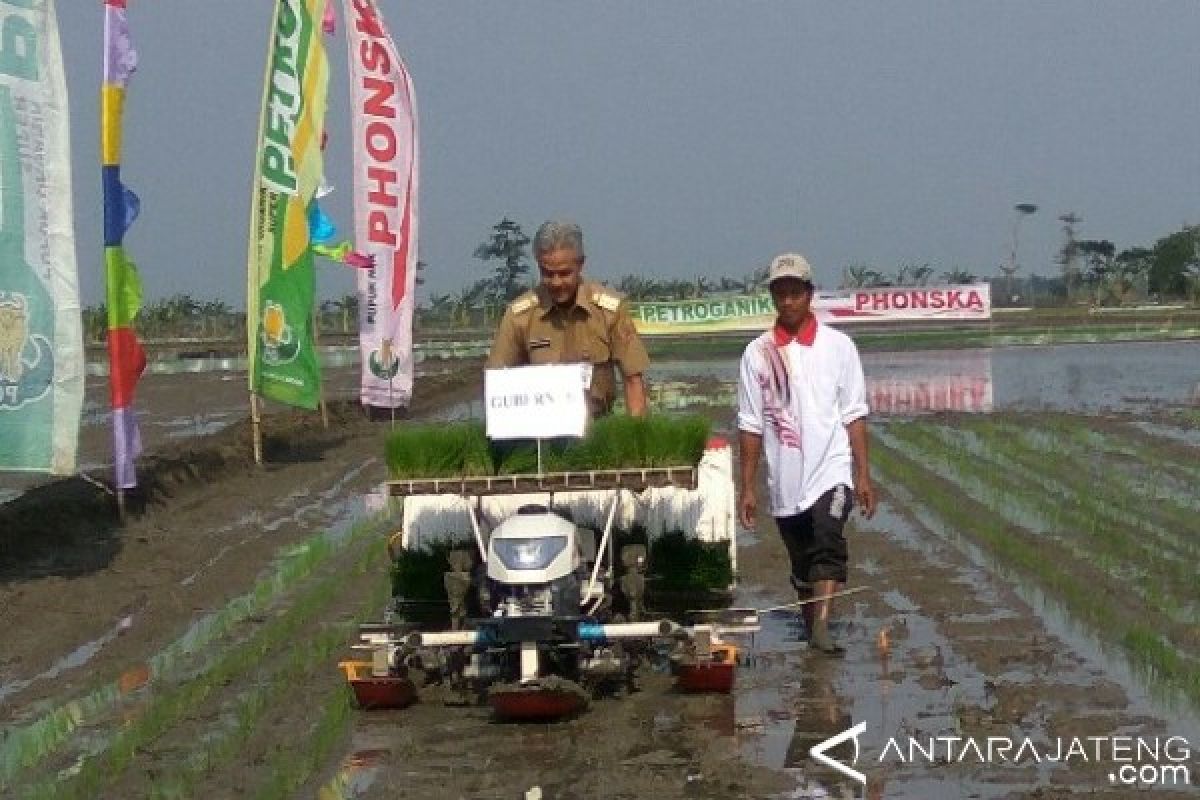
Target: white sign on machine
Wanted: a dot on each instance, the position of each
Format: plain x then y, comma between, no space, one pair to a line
536,402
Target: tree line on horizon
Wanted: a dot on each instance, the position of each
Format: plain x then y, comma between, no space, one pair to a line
1090,272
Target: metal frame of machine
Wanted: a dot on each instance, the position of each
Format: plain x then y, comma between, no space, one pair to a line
509,652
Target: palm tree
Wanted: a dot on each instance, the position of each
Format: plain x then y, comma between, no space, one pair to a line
958,275
440,306
861,276
635,287
462,302
756,280
913,274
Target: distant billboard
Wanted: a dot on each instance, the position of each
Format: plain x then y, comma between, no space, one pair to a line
755,312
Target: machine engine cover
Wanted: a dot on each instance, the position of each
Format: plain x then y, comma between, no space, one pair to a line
538,547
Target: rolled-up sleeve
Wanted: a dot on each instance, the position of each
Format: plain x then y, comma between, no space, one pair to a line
852,386
750,395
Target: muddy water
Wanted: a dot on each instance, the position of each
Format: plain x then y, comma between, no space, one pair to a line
1084,378
916,679
907,677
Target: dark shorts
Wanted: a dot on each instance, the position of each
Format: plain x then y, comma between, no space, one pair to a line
814,540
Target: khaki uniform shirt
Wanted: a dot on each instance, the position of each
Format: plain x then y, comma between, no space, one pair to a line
597,330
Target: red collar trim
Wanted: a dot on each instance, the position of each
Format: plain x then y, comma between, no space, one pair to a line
805,336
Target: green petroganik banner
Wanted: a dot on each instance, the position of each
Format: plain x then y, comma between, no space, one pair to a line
281,278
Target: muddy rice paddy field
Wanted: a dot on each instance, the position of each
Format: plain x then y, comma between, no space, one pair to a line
1031,576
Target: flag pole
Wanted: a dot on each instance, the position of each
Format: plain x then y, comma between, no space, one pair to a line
253,312
256,428
320,380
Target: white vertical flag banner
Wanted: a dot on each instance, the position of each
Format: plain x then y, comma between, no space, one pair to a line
41,341
384,111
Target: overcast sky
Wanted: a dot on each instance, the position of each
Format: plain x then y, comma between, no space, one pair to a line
686,136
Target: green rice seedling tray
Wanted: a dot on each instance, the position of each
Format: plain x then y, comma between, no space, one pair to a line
615,451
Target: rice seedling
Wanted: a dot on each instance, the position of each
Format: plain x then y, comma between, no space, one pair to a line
441,450
682,564
1123,490
675,441
291,768
615,442
1133,504
1085,595
26,745
301,666
417,572
173,704
1129,541
1077,483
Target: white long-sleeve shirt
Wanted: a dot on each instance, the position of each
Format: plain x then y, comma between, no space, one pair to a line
800,398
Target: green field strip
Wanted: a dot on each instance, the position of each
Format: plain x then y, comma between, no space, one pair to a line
1009,491
290,770
24,746
1104,482
1111,551
1131,442
996,491
219,751
1131,462
173,704
308,658
1061,470
1042,562
292,767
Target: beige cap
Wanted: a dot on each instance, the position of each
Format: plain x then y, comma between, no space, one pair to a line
790,265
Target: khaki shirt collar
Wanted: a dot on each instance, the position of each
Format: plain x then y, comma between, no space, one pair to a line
583,300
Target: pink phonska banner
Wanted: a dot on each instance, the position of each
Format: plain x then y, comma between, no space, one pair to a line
885,304
384,112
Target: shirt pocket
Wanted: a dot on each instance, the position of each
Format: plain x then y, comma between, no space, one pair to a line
595,349
543,355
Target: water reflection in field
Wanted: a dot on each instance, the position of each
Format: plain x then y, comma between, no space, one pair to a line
1089,378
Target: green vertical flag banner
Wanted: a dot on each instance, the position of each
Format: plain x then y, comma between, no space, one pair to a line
41,341
281,280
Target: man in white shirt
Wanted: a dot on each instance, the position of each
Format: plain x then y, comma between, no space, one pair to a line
802,401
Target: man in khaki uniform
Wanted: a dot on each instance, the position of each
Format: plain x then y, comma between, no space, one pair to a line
567,320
